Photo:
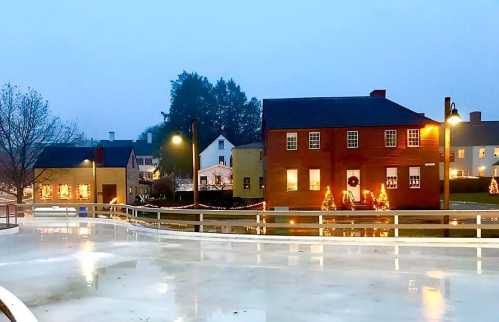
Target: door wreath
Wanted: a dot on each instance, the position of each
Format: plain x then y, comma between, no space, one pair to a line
353,181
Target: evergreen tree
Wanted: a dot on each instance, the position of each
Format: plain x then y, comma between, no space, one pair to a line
493,189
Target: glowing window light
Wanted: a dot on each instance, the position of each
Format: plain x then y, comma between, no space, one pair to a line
83,191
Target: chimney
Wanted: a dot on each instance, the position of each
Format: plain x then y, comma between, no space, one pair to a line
476,117
99,155
378,93
111,135
149,137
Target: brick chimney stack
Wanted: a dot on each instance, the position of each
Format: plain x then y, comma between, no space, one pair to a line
476,117
378,93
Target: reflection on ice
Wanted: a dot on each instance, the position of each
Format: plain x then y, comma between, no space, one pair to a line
147,277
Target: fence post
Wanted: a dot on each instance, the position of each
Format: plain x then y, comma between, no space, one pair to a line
396,222
321,230
159,219
201,219
478,229
257,223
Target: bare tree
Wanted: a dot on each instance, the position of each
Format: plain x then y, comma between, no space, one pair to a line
26,128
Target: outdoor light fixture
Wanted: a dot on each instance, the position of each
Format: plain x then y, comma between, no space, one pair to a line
176,139
454,118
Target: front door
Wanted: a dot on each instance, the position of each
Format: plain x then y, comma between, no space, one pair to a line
108,192
353,183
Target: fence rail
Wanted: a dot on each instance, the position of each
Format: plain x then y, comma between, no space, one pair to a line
319,223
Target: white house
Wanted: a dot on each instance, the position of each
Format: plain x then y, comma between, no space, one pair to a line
216,177
217,152
475,148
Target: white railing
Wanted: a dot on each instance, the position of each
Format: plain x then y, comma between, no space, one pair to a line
394,223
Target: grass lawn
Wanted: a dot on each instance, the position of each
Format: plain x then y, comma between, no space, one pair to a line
481,197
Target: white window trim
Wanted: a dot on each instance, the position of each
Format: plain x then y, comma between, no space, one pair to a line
386,144
310,181
415,187
356,142
396,178
288,136
409,141
309,140
287,184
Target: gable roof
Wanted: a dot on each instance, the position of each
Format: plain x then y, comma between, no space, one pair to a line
337,112
475,133
141,147
220,136
74,157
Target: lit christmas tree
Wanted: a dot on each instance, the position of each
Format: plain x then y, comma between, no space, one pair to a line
493,190
382,200
328,202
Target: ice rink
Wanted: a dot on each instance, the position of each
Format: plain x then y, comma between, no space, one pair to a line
72,270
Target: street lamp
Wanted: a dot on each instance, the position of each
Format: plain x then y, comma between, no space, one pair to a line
94,174
451,118
177,140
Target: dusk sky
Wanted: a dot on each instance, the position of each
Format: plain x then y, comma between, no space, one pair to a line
108,64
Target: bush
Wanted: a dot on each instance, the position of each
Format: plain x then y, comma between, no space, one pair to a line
466,185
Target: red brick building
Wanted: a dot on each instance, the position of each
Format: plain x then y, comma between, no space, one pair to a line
350,144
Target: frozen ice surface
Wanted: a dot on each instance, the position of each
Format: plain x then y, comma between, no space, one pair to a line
70,270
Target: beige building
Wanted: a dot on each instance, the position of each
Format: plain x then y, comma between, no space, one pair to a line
247,171
69,175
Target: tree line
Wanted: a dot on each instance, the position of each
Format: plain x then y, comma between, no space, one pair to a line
220,108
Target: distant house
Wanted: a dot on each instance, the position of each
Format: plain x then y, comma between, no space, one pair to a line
475,148
351,144
216,177
64,174
247,171
148,163
217,152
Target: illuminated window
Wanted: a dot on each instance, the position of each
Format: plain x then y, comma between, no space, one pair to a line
262,184
83,191
292,180
414,177
391,178
315,179
413,138
352,139
221,159
218,180
481,153
64,191
314,140
45,192
292,141
496,152
246,183
390,138
481,171
460,154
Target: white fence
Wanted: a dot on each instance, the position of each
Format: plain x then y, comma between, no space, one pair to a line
469,223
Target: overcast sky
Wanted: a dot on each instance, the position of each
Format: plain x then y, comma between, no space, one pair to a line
108,64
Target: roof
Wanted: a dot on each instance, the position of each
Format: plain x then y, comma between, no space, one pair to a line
337,112
220,136
73,157
141,147
475,133
253,145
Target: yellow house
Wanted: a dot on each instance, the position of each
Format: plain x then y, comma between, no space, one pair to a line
247,171
67,174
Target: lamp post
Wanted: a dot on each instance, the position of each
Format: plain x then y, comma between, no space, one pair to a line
177,139
451,118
